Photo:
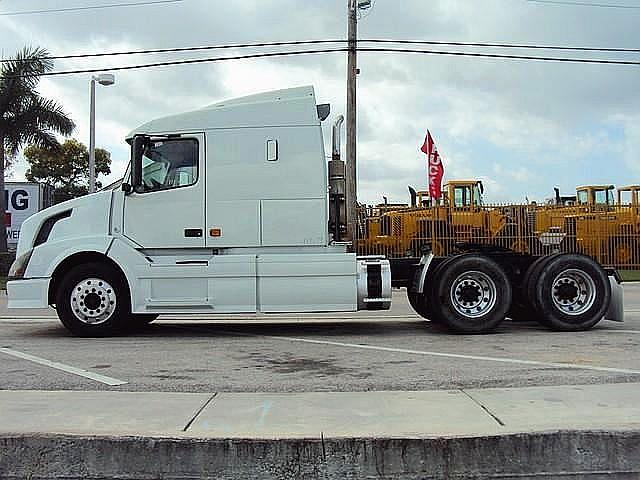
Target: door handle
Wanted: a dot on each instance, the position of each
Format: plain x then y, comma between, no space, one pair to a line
193,232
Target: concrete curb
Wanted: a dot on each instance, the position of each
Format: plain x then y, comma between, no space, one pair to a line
562,454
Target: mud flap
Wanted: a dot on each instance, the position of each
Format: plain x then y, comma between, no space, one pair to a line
616,307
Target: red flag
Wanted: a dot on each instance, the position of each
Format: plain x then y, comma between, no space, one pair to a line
434,167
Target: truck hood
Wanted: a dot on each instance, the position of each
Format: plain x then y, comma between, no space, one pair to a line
89,216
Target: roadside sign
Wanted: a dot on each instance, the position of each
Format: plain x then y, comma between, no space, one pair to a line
22,199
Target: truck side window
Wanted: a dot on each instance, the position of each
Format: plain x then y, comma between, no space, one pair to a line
170,164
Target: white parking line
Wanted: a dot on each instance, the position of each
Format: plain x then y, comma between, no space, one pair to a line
65,368
574,366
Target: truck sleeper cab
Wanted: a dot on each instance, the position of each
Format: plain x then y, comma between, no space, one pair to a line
226,210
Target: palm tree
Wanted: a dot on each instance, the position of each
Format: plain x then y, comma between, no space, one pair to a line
25,116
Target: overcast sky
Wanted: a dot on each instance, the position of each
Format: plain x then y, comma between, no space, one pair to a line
522,127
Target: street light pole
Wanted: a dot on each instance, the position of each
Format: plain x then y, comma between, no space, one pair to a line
105,79
352,65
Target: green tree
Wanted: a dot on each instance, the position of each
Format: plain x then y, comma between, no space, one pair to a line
65,168
26,117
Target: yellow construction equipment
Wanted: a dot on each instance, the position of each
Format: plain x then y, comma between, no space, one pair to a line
591,222
629,195
596,225
460,217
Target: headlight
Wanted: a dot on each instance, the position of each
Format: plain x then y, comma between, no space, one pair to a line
19,266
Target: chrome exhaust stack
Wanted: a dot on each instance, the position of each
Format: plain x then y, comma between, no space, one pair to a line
337,187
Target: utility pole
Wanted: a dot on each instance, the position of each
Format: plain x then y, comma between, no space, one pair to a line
352,71
92,136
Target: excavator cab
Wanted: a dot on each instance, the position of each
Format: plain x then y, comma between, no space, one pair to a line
464,193
592,195
629,195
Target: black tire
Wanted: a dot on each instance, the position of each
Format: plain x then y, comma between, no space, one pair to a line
524,307
521,312
473,294
110,307
418,301
573,292
419,304
430,291
141,319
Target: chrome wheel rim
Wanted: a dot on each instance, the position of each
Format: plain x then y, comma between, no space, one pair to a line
93,301
573,292
473,294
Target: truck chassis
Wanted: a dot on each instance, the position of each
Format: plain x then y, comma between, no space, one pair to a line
475,290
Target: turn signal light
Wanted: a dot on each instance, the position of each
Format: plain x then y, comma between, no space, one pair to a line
215,232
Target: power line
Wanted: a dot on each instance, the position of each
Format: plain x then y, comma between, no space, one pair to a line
92,7
328,41
185,62
503,45
504,56
585,4
187,49
336,50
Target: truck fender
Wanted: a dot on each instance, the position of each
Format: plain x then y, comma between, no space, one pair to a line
421,272
134,265
46,258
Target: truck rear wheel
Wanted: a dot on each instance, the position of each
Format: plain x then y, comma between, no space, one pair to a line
419,304
572,292
430,292
93,301
472,295
525,308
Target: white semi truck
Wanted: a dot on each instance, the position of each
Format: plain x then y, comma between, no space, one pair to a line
234,209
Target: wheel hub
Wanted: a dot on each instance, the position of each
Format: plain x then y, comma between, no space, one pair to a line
93,301
573,292
473,294
470,293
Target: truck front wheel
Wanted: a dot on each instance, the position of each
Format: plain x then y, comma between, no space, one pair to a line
93,301
473,294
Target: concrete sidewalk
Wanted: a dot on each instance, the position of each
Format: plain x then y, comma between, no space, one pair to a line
577,431
330,414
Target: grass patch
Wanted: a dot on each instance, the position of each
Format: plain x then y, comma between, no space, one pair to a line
630,275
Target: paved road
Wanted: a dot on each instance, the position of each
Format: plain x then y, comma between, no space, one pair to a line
393,350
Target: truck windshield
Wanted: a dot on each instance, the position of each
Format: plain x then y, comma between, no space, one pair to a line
170,164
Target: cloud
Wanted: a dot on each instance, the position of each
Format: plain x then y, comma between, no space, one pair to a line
522,127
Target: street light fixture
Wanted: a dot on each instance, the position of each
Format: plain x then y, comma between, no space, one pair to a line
104,79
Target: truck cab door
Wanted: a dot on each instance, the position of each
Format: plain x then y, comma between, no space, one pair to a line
168,210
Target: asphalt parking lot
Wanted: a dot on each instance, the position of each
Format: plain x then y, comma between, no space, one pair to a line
393,350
